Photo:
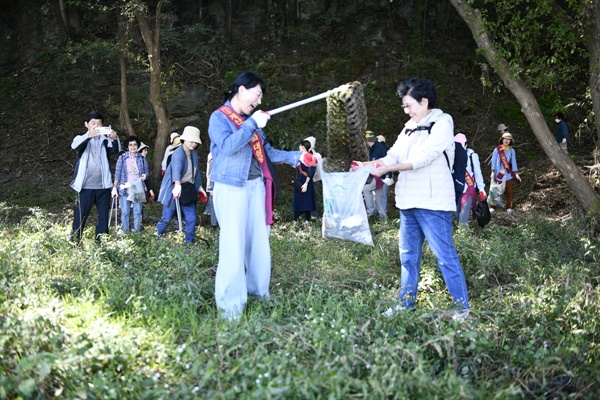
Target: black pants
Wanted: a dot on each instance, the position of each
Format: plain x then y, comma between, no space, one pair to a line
298,214
83,206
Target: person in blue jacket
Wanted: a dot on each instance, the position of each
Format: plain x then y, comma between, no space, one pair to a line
183,168
244,191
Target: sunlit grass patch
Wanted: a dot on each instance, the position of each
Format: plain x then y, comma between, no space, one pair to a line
134,317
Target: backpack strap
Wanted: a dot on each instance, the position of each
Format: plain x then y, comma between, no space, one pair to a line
428,129
473,169
420,128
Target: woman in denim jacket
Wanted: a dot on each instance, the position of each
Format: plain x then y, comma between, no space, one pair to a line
242,198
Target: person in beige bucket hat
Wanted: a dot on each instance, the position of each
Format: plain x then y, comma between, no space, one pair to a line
181,179
191,134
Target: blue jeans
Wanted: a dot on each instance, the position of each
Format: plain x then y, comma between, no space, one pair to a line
137,214
189,214
416,225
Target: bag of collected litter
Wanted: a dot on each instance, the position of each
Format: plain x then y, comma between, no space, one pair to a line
496,195
344,213
137,191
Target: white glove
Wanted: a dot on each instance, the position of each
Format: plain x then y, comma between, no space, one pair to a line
261,118
176,191
114,192
564,140
388,181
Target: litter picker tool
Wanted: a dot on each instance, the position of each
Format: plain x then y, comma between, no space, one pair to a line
113,207
309,100
178,207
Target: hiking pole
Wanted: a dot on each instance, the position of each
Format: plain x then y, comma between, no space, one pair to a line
178,207
309,100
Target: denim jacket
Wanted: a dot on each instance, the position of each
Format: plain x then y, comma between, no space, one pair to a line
231,150
175,171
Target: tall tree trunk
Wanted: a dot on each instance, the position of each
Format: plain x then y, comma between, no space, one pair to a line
124,108
583,191
152,42
71,20
592,43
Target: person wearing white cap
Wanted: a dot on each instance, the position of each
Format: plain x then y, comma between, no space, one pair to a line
473,182
501,129
174,143
182,181
143,150
504,167
305,195
244,192
313,141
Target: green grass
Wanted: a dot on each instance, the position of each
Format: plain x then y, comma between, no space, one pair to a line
134,317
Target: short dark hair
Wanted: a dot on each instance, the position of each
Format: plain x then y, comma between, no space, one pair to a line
247,79
418,88
560,115
130,139
93,115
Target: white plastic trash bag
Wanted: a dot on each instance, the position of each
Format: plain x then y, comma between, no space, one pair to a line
496,195
344,213
137,191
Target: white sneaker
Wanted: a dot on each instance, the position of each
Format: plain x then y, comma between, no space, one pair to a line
492,209
509,210
461,315
390,312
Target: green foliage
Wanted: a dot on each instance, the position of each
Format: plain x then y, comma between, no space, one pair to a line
134,317
79,65
509,110
540,45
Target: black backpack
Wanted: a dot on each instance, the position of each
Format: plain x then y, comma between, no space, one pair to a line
460,163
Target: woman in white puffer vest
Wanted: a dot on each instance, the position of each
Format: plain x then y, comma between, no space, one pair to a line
425,194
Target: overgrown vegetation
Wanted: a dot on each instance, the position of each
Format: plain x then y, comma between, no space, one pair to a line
134,317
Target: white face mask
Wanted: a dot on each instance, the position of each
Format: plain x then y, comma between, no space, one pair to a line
557,120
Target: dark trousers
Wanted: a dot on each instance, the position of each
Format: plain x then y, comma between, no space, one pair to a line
305,213
83,206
